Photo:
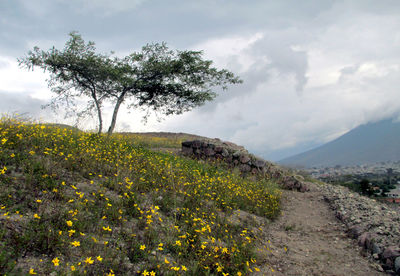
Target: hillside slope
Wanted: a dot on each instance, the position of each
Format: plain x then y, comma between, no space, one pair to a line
75,203
370,143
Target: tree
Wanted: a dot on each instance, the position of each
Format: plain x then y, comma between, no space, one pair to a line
366,187
75,71
154,79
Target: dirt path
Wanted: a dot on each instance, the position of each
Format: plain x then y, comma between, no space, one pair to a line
308,240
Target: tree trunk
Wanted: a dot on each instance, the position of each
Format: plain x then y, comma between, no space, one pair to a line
115,113
99,115
98,107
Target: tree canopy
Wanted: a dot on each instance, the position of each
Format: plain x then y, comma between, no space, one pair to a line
156,78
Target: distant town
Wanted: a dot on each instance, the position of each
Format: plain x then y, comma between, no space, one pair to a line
380,179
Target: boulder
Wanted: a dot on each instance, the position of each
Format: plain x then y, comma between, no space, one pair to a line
355,231
376,249
291,183
244,158
225,152
362,239
244,168
259,163
187,144
209,152
391,252
397,265
197,144
187,150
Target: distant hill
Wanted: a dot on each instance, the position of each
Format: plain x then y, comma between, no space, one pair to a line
370,143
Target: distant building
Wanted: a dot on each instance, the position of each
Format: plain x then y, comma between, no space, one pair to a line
395,193
393,200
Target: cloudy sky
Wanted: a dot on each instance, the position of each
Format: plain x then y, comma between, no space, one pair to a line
312,69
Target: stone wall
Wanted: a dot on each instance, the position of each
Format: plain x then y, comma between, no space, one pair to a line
376,226
238,157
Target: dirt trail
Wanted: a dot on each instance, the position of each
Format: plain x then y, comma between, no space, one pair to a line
308,240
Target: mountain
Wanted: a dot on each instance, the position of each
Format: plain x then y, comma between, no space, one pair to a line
370,143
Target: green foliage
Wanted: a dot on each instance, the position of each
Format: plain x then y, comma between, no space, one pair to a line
366,187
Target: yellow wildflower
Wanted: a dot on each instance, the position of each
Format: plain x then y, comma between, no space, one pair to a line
56,261
89,260
76,243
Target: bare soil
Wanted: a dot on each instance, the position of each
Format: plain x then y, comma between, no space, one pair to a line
307,239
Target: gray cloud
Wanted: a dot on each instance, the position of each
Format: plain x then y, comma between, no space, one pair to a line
311,70
21,103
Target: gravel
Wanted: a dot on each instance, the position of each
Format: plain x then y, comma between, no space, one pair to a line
374,224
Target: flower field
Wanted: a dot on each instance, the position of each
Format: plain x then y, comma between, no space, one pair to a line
77,203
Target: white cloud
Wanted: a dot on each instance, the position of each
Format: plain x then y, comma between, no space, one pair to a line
311,71
16,79
345,81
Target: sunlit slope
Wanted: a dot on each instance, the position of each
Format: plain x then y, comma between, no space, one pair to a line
76,202
369,143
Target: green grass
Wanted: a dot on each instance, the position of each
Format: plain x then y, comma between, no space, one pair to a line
79,203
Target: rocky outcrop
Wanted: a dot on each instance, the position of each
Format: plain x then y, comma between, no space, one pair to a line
238,157
375,225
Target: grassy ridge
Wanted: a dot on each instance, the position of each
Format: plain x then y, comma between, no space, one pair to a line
78,203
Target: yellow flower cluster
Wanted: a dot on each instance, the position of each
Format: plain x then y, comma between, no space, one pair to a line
117,200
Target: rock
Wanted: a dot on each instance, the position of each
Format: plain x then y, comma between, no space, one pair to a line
362,239
388,264
197,144
209,152
209,145
369,241
236,154
244,158
187,150
187,144
225,152
378,267
376,249
355,231
299,177
397,265
244,168
228,158
304,188
291,183
259,163
218,156
391,252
